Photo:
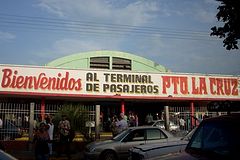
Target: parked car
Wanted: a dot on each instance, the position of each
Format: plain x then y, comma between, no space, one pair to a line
5,156
10,131
148,151
161,123
118,147
215,139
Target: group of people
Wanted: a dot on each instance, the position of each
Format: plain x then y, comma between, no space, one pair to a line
122,122
44,134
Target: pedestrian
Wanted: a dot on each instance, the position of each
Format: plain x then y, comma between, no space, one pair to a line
37,122
136,119
114,125
132,120
41,139
122,124
149,119
182,123
64,136
50,130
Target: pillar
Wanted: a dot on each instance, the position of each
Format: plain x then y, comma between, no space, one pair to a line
97,122
166,117
43,108
193,121
123,107
31,125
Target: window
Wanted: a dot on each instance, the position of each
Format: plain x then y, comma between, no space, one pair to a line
136,135
100,62
121,63
218,137
153,134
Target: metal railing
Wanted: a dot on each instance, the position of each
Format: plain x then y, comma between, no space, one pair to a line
15,117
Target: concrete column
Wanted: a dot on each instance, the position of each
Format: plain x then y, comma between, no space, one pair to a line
166,118
97,122
123,107
43,108
193,121
31,124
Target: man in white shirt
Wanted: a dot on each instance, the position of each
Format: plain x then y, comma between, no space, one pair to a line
121,124
50,132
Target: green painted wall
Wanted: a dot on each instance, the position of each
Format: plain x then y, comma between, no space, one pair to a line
82,60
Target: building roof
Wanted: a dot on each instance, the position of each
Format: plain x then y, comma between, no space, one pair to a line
82,61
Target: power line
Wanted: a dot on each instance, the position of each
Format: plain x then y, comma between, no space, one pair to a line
86,27
88,23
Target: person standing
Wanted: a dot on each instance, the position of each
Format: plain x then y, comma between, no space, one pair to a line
182,123
64,131
50,132
37,122
136,119
41,139
122,124
132,120
113,125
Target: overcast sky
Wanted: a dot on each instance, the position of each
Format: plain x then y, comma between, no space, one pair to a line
173,33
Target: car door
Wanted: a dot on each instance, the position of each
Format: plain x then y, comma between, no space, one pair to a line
134,138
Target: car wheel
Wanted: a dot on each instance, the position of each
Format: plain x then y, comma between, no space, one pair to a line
109,155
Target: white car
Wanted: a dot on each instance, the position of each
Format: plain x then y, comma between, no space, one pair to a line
149,151
172,126
118,147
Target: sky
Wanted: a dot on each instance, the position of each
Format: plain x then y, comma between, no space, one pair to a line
173,33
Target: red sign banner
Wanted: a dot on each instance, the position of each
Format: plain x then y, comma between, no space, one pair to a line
48,81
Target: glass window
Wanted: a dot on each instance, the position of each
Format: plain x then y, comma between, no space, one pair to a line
197,143
100,62
121,63
220,138
136,135
153,134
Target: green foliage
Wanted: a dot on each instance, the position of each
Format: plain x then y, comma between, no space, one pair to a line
76,114
229,13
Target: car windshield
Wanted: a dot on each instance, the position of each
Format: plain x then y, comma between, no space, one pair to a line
216,138
120,136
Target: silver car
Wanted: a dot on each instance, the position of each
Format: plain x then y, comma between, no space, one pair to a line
118,147
149,151
172,126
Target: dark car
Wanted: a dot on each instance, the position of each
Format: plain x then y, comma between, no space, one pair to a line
216,138
10,131
5,156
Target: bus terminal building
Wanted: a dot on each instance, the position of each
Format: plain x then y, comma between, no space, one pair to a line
113,81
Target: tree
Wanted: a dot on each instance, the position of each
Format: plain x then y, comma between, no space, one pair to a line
77,115
229,14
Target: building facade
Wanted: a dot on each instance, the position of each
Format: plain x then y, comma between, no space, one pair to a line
118,82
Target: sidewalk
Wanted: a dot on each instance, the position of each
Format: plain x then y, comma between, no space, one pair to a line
22,149
29,155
